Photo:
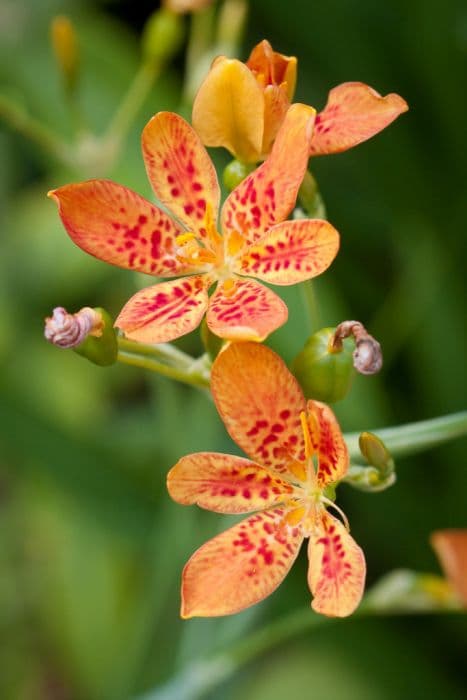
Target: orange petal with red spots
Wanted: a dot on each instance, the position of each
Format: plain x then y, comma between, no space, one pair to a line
328,442
228,110
118,226
248,311
240,567
181,173
259,401
165,311
268,195
291,252
354,113
451,549
336,573
225,484
276,104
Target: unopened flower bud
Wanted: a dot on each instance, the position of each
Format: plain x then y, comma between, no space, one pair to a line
367,357
65,46
376,453
89,332
324,374
162,35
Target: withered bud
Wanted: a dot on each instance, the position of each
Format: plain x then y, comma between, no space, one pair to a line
367,356
69,330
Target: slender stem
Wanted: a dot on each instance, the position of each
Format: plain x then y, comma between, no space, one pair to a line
17,118
195,376
311,304
163,351
199,52
403,440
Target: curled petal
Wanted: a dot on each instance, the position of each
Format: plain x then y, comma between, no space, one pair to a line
240,567
291,252
248,312
273,68
180,171
116,225
165,311
328,442
354,113
268,195
260,402
336,573
451,549
228,110
225,484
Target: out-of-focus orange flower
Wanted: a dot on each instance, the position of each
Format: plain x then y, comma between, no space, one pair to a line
182,6
118,226
241,106
297,451
451,549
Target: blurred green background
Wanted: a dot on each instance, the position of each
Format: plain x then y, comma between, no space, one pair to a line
91,547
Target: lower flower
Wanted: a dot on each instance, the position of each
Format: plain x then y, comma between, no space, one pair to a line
297,451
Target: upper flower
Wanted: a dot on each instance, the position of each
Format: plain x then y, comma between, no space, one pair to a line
118,226
241,106
297,451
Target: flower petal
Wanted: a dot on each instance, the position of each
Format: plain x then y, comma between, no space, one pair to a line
291,252
336,573
228,110
118,226
165,311
354,113
260,402
181,173
451,549
225,484
268,195
249,312
328,442
240,567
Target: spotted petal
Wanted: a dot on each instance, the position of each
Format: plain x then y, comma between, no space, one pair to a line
336,573
181,173
240,567
118,226
354,113
268,195
225,484
228,110
328,443
291,252
248,312
260,402
165,311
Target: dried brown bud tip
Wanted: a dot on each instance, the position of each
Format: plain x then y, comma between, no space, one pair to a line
69,330
367,356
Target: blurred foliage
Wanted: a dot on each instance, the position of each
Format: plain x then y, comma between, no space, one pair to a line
91,548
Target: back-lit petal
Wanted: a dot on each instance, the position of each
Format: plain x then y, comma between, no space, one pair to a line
291,252
165,311
116,225
240,567
268,195
260,402
328,443
250,311
354,113
336,573
180,171
451,548
225,483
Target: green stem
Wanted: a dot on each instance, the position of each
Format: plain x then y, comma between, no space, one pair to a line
162,351
195,375
17,118
403,440
311,304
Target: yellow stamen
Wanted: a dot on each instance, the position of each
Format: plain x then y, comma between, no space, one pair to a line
298,469
293,517
306,435
235,243
184,238
331,504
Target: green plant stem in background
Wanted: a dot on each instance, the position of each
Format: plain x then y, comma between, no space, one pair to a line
404,440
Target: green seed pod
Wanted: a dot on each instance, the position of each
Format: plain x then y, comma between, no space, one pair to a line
162,35
103,349
324,374
235,172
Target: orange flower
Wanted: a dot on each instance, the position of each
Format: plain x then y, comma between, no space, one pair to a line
118,226
241,106
297,451
451,549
